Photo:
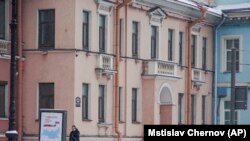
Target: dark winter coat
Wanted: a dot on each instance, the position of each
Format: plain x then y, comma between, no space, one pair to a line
74,135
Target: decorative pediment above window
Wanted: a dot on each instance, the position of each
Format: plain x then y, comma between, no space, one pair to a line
104,7
156,15
197,27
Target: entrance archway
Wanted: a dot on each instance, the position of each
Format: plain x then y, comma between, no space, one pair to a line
166,103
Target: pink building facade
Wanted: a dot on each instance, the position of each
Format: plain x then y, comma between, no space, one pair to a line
70,51
4,65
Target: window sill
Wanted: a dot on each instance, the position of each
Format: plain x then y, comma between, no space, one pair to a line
121,122
136,122
103,124
87,120
4,118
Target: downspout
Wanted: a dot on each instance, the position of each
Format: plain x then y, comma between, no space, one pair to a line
20,73
203,11
117,61
215,96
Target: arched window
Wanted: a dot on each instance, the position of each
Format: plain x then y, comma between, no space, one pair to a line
165,96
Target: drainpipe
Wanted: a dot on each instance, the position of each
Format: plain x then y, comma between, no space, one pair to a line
117,61
215,96
203,11
20,72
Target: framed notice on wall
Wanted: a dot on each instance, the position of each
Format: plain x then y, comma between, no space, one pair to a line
52,125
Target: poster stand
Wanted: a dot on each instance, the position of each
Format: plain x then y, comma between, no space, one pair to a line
52,125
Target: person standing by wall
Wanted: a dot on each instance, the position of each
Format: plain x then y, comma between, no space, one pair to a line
74,134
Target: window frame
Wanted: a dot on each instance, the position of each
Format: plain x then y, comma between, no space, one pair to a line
204,53
101,106
103,34
224,51
51,22
181,37
194,50
203,109
228,110
170,44
87,99
134,105
135,39
39,95
154,41
86,44
6,99
193,108
3,28
121,105
180,107
121,36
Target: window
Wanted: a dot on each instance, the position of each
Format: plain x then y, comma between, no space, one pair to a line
135,39
2,19
203,116
180,48
193,111
102,33
3,100
46,95
120,104
180,100
230,43
170,45
121,35
204,53
227,105
85,30
194,41
46,29
134,104
153,42
101,103
85,101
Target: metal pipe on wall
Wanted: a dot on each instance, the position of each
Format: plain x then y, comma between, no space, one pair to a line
117,61
203,11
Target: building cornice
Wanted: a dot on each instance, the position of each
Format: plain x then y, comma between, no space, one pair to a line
180,9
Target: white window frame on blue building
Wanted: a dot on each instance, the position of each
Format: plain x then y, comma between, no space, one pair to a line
224,51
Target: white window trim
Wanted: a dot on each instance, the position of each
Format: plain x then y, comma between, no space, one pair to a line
223,110
122,50
138,105
195,108
158,43
223,51
206,108
90,29
183,47
105,104
139,38
37,103
206,66
121,104
7,17
197,50
107,15
6,101
89,100
6,110
173,45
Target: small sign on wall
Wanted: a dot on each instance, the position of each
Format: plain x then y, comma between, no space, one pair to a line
78,101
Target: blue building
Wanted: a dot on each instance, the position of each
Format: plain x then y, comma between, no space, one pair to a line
234,31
